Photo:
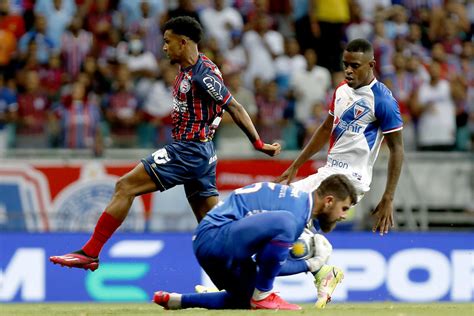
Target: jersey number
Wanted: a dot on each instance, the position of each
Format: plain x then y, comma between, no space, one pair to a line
254,188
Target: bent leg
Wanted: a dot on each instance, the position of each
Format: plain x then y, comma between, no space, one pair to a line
135,182
269,235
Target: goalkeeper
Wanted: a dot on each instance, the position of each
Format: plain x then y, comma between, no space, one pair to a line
244,241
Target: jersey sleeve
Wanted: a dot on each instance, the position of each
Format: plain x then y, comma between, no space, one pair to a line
215,87
387,113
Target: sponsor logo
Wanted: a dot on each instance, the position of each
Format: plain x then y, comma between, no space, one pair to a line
214,87
334,163
212,159
179,106
184,86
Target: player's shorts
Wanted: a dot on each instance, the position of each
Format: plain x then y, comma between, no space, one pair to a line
312,182
192,164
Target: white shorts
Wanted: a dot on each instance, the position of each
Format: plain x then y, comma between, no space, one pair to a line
312,182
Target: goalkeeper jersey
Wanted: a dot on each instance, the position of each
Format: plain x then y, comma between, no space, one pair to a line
262,197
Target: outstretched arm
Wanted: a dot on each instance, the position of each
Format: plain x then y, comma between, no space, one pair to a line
317,141
383,213
242,119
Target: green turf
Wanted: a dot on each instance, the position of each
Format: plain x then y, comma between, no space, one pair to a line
336,309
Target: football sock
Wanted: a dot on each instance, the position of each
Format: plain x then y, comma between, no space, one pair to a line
105,227
175,301
293,266
217,300
260,295
270,261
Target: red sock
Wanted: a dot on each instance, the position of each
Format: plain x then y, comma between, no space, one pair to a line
105,227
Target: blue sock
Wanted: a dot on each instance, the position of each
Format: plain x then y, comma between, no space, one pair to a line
218,300
270,261
293,266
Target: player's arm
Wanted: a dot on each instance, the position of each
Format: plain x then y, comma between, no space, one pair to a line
384,211
315,144
242,119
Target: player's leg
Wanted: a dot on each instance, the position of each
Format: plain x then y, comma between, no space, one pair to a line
201,190
268,235
202,205
218,300
134,183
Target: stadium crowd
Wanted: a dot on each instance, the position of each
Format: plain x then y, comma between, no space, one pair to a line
92,74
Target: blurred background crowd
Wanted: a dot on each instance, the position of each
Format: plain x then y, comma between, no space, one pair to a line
92,74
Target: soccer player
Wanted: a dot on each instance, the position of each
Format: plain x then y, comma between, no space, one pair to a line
243,242
362,113
200,97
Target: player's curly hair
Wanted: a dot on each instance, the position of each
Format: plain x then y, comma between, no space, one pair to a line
185,25
339,186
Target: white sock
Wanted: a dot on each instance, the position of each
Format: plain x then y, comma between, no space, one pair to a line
175,301
260,295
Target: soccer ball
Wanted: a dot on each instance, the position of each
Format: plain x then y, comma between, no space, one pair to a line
303,248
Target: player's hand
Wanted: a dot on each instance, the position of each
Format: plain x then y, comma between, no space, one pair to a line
271,150
383,215
287,176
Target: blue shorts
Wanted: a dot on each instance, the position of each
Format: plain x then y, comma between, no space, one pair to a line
190,163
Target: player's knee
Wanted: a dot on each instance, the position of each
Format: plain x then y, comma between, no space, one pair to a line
123,186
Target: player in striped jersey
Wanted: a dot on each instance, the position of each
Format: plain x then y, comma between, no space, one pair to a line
200,97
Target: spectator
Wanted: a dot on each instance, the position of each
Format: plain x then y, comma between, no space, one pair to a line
59,13
358,26
122,111
76,44
35,128
140,63
328,19
271,108
309,88
229,136
9,21
8,115
436,113
219,21
262,46
99,23
80,121
289,64
148,27
157,107
135,11
44,44
52,77
184,8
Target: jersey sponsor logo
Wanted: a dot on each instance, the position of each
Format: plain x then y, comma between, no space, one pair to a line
214,87
212,159
335,163
184,86
349,119
179,106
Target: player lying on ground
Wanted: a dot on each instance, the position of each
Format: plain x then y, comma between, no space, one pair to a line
244,241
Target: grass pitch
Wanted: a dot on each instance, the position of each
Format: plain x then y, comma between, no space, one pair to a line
333,309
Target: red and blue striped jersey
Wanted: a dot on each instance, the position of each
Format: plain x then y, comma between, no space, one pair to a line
199,97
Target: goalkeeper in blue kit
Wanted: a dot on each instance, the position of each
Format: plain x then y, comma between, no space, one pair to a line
243,243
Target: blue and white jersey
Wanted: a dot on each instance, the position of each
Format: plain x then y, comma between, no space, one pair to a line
361,118
262,197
